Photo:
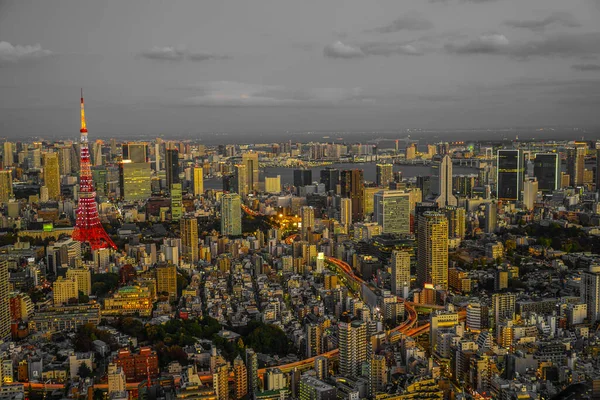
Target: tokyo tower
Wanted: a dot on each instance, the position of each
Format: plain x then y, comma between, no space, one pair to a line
88,227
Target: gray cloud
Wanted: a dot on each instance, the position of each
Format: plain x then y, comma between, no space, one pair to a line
206,57
341,50
165,53
11,54
238,94
586,67
559,45
564,19
413,22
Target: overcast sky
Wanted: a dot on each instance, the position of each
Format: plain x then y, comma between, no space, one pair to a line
183,67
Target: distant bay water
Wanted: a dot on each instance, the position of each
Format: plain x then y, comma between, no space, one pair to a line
287,174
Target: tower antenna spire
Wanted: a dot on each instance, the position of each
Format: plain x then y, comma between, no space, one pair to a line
83,129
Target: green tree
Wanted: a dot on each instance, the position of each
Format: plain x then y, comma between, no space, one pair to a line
84,371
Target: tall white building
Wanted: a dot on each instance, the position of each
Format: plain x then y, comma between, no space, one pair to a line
590,292
353,347
392,211
231,214
273,184
442,183
530,189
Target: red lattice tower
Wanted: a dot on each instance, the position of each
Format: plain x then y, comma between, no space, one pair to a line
88,227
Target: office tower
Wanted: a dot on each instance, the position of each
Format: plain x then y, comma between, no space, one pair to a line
176,202
377,374
456,221
313,339
189,239
321,367
432,249
352,186
250,160
83,277
157,147
198,181
231,215
4,301
411,152
116,379
252,367
392,211
530,189
97,153
307,215
400,279
590,292
135,180
302,177
477,317
64,160
352,337
425,184
503,308
546,168
314,389
87,226
385,174
330,177
166,280
240,183
6,189
463,185
221,382
273,184
63,290
8,154
346,212
576,163
52,175
510,174
137,152
240,378
172,167
441,176
491,217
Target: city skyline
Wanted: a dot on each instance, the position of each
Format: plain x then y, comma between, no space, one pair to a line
385,66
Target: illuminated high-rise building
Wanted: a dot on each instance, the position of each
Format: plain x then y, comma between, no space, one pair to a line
590,292
166,280
456,221
352,337
432,249
137,152
307,215
385,174
322,367
503,308
64,160
176,202
221,382
240,378
172,167
377,374
273,184
231,214
352,187
6,189
392,211
400,279
198,181
546,168
64,289
189,239
330,177
576,163
530,189
314,336
97,155
510,174
250,160
83,277
4,301
346,212
52,175
8,154
135,180
441,185
240,182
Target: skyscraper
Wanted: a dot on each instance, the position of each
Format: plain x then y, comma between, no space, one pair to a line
352,186
221,382
510,174
52,175
400,263
135,180
137,152
441,174
346,212
231,214
313,339
590,292
273,184
240,378
172,166
8,156
330,177
576,163
189,239
83,277
307,215
432,250
252,367
302,177
385,174
456,217
322,367
6,189
392,211
352,337
503,307
166,280
250,160
198,181
546,168
4,301
377,374
176,202
240,183
530,189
